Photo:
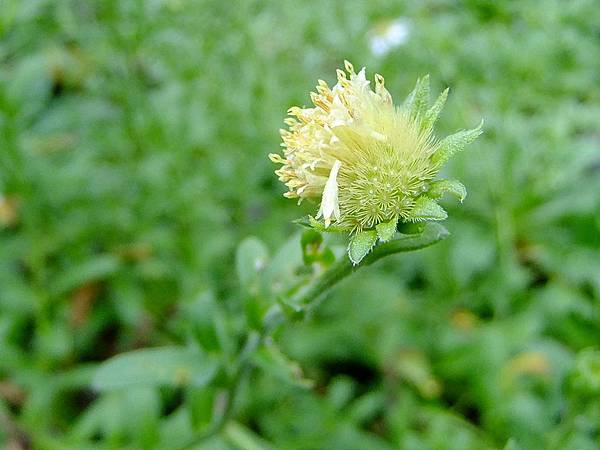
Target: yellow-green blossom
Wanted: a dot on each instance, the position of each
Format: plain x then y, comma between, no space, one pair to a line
368,161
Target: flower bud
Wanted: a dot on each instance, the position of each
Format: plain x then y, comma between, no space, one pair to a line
366,160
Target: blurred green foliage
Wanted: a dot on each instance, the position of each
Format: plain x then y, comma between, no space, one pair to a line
133,142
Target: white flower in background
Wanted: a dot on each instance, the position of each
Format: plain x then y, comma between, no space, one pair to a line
389,35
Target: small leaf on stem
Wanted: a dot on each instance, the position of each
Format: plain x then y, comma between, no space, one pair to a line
427,209
361,244
386,230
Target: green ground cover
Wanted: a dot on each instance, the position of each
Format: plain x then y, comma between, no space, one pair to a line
133,161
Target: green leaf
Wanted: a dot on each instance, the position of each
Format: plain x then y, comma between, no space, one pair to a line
313,250
282,272
427,209
511,444
251,261
97,268
365,408
30,85
310,237
415,368
454,187
290,309
133,412
271,360
310,241
340,391
314,223
455,143
243,438
361,244
386,230
200,404
410,227
433,113
251,257
585,377
206,322
418,100
174,366
305,221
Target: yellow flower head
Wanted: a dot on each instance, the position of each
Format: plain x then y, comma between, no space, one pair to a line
368,161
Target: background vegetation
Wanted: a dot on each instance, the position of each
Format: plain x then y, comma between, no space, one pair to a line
133,143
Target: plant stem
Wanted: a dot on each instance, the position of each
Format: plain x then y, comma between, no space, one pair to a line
308,299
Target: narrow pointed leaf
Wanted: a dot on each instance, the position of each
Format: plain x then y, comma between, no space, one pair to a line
242,437
361,244
275,363
418,100
314,223
511,445
433,113
250,258
454,187
427,209
386,230
290,309
455,143
163,366
304,221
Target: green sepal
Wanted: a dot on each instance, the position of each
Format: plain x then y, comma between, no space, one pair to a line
433,113
361,244
418,100
455,143
311,222
426,208
410,227
386,230
454,187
